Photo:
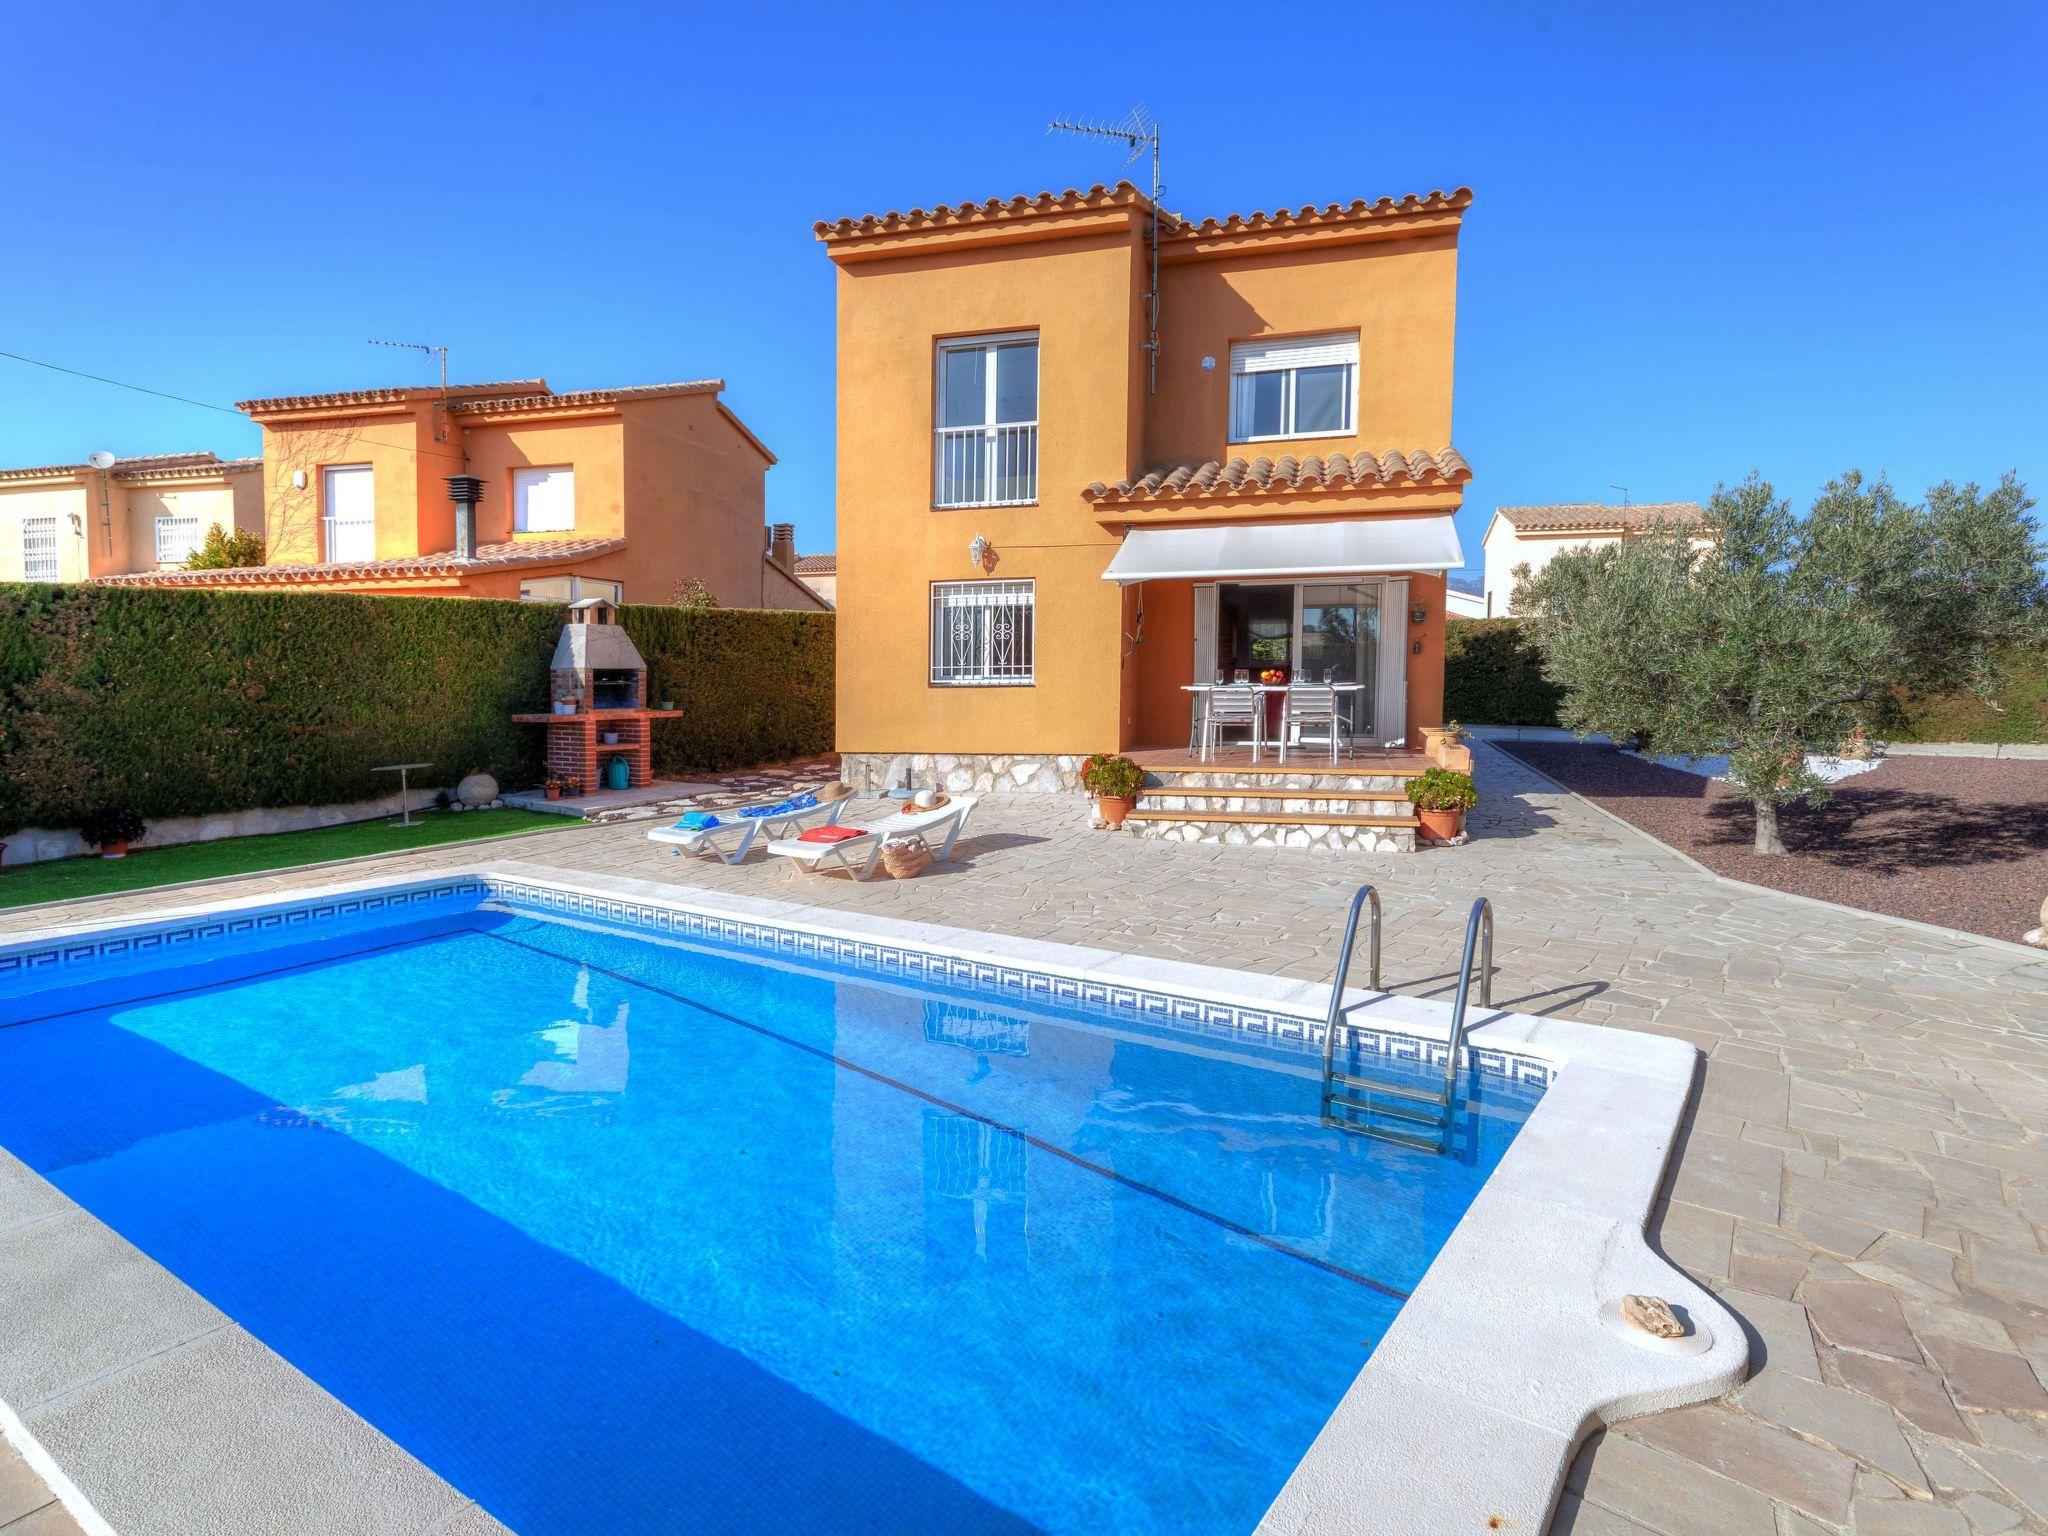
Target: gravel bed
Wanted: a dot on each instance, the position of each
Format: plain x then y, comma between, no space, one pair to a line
1958,841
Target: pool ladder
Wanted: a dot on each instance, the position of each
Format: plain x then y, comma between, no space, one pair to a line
1401,1112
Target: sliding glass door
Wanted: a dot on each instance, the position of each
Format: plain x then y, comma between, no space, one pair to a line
1340,643
1314,630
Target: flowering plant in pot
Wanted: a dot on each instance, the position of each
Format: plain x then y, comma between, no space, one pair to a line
1441,798
1114,782
554,788
111,830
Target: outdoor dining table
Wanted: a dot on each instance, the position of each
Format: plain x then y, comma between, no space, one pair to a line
1203,690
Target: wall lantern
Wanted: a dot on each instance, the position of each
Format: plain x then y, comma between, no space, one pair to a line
1417,615
298,479
983,554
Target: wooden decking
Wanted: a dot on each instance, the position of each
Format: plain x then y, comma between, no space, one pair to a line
1305,759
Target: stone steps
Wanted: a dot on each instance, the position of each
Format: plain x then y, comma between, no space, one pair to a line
1277,829
1357,781
1321,803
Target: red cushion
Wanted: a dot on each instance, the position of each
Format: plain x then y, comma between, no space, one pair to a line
829,834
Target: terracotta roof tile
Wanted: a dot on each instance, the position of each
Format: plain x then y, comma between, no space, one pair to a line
1286,475
152,464
817,565
1568,517
390,396
548,400
989,211
488,557
1310,216
997,210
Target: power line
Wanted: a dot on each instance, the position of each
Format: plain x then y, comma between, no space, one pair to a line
207,405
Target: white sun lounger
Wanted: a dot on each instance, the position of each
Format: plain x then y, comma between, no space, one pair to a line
735,834
859,855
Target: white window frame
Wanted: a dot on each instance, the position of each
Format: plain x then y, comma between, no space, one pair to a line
613,592
191,524
995,444
528,475
1288,356
331,526
952,604
46,563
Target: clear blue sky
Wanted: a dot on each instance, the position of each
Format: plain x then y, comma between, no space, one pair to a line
1706,238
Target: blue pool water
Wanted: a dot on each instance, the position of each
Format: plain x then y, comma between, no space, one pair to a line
622,1234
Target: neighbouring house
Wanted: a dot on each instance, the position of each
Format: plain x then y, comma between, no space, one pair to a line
73,522
1042,544
821,574
511,490
1465,597
1537,535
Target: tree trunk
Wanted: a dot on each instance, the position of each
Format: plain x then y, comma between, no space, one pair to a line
1767,839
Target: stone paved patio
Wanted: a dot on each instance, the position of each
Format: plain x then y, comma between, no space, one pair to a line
1864,1177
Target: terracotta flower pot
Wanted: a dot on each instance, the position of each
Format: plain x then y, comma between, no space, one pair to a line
554,791
1440,826
118,849
1114,808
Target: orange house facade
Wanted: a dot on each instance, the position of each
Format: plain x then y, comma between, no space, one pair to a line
512,490
1055,518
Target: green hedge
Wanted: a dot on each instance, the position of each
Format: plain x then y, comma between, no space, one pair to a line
181,703
1494,676
2020,712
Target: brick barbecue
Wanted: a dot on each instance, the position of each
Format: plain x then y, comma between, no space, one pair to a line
599,671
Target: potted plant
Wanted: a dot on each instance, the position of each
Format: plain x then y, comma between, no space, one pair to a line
1441,797
554,788
1114,782
111,831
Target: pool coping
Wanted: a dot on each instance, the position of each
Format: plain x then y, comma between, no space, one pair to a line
1468,1411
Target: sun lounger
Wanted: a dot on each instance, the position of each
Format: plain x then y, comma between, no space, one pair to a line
859,855
734,830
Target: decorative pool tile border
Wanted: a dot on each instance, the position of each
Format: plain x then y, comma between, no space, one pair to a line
35,959
1100,997
1001,980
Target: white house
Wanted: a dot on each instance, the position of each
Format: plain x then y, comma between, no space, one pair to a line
1538,535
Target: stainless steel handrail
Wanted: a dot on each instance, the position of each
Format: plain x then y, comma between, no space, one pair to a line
1365,894
1478,927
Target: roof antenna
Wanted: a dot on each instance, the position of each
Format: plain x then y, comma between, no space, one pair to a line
1138,132
1624,492
440,430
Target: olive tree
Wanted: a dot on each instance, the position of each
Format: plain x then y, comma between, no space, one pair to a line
1769,636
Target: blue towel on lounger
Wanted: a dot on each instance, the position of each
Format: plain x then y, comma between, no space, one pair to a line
697,821
789,807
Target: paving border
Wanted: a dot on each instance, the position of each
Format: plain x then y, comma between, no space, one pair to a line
1469,1410
1933,930
2012,751
15,1433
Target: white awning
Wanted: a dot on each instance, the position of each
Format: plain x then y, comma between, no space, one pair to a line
1354,547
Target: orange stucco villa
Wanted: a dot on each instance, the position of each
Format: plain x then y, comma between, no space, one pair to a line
1040,545
508,490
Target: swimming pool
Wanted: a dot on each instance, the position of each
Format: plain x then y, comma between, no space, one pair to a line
617,1216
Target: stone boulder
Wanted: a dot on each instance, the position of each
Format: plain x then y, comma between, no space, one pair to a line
477,789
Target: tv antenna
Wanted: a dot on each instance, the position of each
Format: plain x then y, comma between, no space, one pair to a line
431,351
1624,492
1137,133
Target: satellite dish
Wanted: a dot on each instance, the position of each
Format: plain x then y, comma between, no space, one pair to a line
100,460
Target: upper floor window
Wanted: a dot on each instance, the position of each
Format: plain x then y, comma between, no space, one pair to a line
39,549
986,449
348,514
1303,386
983,632
544,500
176,539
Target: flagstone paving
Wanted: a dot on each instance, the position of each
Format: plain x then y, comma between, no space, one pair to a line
1863,1178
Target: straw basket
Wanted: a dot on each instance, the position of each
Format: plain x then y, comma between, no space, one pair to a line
906,857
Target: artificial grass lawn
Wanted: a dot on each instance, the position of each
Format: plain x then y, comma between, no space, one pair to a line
63,879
